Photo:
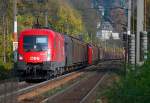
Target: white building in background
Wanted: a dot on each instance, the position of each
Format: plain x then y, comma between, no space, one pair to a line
115,35
106,32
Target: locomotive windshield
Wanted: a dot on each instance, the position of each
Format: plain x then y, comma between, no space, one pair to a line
35,43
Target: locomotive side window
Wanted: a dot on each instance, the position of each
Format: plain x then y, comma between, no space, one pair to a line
35,43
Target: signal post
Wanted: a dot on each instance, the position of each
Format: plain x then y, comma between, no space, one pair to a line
15,35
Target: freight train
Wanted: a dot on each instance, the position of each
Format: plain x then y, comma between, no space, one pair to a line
44,53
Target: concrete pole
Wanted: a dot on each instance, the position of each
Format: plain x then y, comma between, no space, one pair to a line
140,25
15,36
129,17
132,50
128,32
15,21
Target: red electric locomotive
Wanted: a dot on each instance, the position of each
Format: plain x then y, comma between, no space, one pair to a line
40,52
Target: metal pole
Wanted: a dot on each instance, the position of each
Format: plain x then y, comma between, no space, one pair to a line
46,19
91,38
140,26
145,37
128,33
144,44
145,14
127,52
15,37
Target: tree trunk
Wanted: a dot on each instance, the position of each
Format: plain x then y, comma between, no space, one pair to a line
4,40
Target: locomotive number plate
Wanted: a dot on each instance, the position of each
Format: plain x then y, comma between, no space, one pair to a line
34,58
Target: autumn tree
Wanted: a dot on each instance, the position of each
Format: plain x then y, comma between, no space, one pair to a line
61,16
6,28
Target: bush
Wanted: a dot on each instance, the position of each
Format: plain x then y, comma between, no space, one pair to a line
133,88
5,70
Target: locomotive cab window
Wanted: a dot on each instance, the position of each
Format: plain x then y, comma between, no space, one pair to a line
35,43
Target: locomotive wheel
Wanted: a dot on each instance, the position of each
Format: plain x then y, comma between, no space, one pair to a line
55,73
62,71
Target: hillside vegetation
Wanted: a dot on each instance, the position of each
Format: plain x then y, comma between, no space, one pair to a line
63,17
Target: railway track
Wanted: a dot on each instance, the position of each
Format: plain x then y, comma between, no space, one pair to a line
10,88
48,85
91,92
22,90
83,91
28,91
78,92
24,87
12,85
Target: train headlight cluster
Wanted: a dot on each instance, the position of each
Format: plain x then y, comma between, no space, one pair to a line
20,57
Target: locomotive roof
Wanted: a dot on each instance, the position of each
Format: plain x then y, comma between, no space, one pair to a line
36,31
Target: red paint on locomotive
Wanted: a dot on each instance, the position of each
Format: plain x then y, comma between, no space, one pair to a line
52,51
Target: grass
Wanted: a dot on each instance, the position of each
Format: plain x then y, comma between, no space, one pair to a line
132,88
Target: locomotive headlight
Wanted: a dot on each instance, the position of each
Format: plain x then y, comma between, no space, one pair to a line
20,57
48,55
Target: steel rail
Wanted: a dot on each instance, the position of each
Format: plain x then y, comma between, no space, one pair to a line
27,89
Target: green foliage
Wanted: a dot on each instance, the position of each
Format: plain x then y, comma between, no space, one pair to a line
24,21
62,17
65,19
8,48
134,88
5,70
6,31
